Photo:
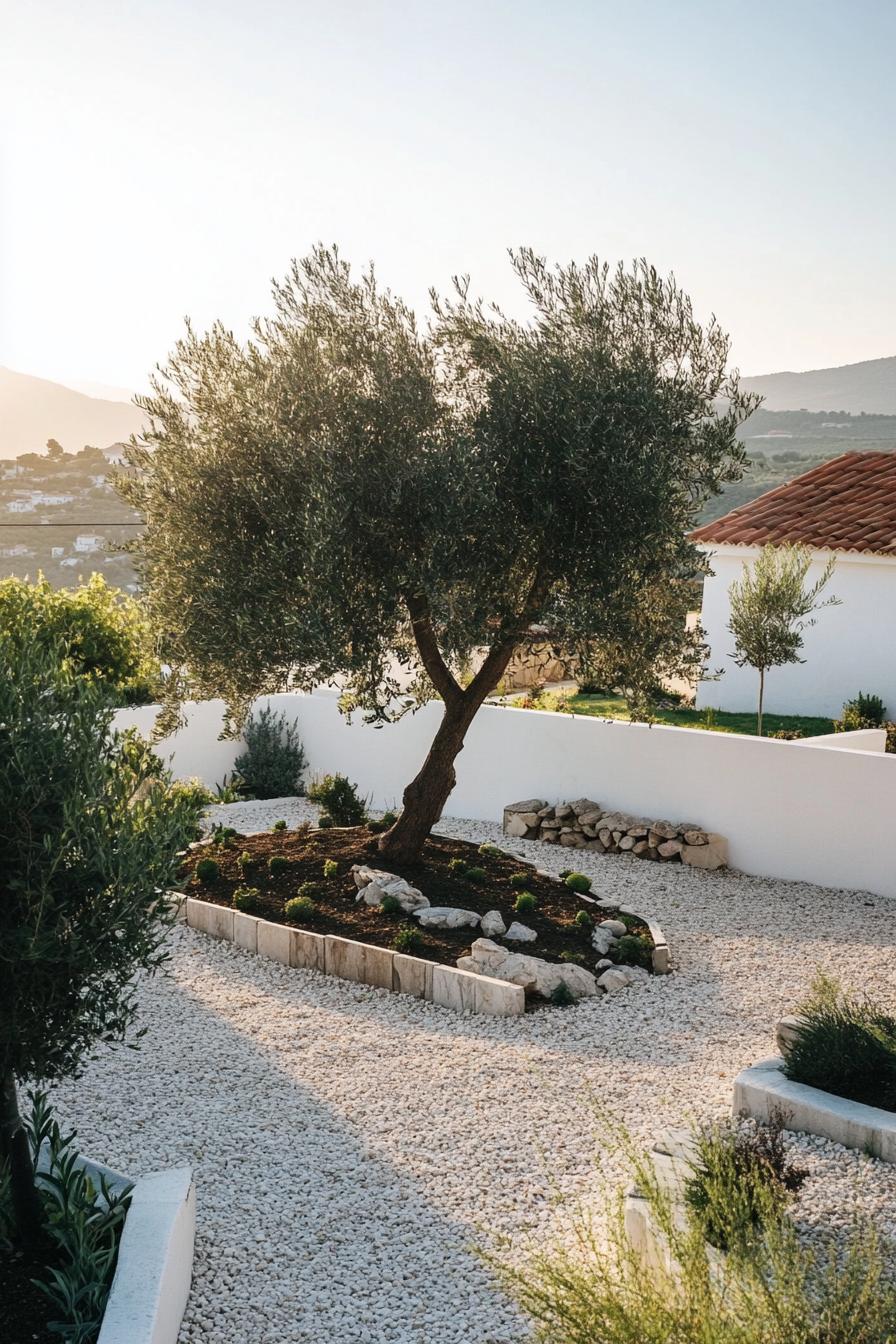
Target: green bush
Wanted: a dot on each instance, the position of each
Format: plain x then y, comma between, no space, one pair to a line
524,903
391,905
279,825
273,762
865,711
634,949
788,734
562,996
475,874
299,908
407,939
277,864
207,870
245,862
584,920
383,823
246,899
578,882
230,790
741,1175
338,798
519,881
458,866
846,1045
309,891
331,867
576,958
223,836
325,821
494,850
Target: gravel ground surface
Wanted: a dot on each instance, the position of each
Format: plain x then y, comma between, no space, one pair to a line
355,1150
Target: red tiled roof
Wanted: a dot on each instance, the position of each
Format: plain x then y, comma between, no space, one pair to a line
848,504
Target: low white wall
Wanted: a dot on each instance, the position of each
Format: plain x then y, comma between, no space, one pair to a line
196,752
860,739
797,810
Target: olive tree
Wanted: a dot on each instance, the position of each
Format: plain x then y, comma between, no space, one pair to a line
771,606
347,495
89,833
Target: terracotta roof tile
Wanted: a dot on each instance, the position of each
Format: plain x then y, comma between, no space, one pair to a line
847,504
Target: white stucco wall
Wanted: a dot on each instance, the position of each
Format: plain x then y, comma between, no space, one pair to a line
851,647
788,809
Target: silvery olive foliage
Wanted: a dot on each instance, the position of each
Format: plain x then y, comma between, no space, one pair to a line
352,494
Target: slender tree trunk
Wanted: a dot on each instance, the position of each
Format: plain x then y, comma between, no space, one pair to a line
16,1151
761,697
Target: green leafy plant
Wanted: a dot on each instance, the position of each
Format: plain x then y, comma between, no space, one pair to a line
634,949
865,710
223,836
524,903
407,939
230,790
207,870
458,866
338,798
325,821
519,881
577,958
299,908
331,867
391,905
494,851
584,920
246,899
383,823
279,825
562,996
564,872
273,762
309,891
277,865
578,882
741,1177
846,1045
475,874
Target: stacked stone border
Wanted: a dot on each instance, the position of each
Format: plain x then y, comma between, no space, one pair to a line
762,1088
380,967
585,824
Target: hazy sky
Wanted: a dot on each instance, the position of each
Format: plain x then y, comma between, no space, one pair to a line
167,157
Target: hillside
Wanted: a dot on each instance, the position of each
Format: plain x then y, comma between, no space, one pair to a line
33,410
869,386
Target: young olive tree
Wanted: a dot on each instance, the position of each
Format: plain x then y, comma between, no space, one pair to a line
89,834
349,496
771,606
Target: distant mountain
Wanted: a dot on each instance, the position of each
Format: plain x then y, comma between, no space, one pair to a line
33,410
869,386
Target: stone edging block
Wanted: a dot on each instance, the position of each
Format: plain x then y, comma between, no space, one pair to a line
761,1088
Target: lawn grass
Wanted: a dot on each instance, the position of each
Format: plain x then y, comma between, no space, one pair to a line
716,721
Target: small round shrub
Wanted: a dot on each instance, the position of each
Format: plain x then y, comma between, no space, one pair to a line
407,939
325,821
494,850
246,899
383,823
277,865
578,882
475,874
524,903
299,908
244,862
633,950
391,905
456,866
331,867
309,891
207,870
584,920
575,957
564,873
519,881
562,996
279,825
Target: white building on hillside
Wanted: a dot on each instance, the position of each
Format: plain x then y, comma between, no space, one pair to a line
845,508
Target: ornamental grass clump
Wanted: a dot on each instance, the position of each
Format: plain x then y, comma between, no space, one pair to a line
846,1045
772,1289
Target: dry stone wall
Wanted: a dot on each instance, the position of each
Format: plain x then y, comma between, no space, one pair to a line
585,824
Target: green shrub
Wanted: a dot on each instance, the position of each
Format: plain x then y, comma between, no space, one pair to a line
475,874
788,734
524,903
519,881
383,823
246,899
230,790
279,825
634,949
277,864
578,882
584,920
494,850
309,891
391,905
407,939
742,1175
457,866
331,867
207,870
273,762
338,798
325,821
846,1045
575,957
223,836
564,873
562,996
299,908
245,862
865,711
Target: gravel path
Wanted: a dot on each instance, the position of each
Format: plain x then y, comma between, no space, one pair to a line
354,1149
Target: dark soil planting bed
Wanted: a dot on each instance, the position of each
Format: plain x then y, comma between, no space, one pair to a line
336,909
25,1311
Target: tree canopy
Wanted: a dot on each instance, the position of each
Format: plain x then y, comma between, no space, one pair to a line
350,495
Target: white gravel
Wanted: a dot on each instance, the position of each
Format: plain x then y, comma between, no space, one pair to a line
353,1149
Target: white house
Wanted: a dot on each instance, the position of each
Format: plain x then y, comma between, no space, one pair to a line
845,508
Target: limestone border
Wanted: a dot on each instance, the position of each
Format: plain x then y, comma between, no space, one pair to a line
762,1088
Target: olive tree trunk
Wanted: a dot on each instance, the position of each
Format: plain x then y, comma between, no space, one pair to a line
15,1152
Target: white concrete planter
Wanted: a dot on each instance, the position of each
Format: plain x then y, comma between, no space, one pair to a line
155,1256
761,1089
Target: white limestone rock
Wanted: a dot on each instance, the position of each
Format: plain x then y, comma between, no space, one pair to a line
616,978
520,933
492,924
446,917
614,927
373,884
533,973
